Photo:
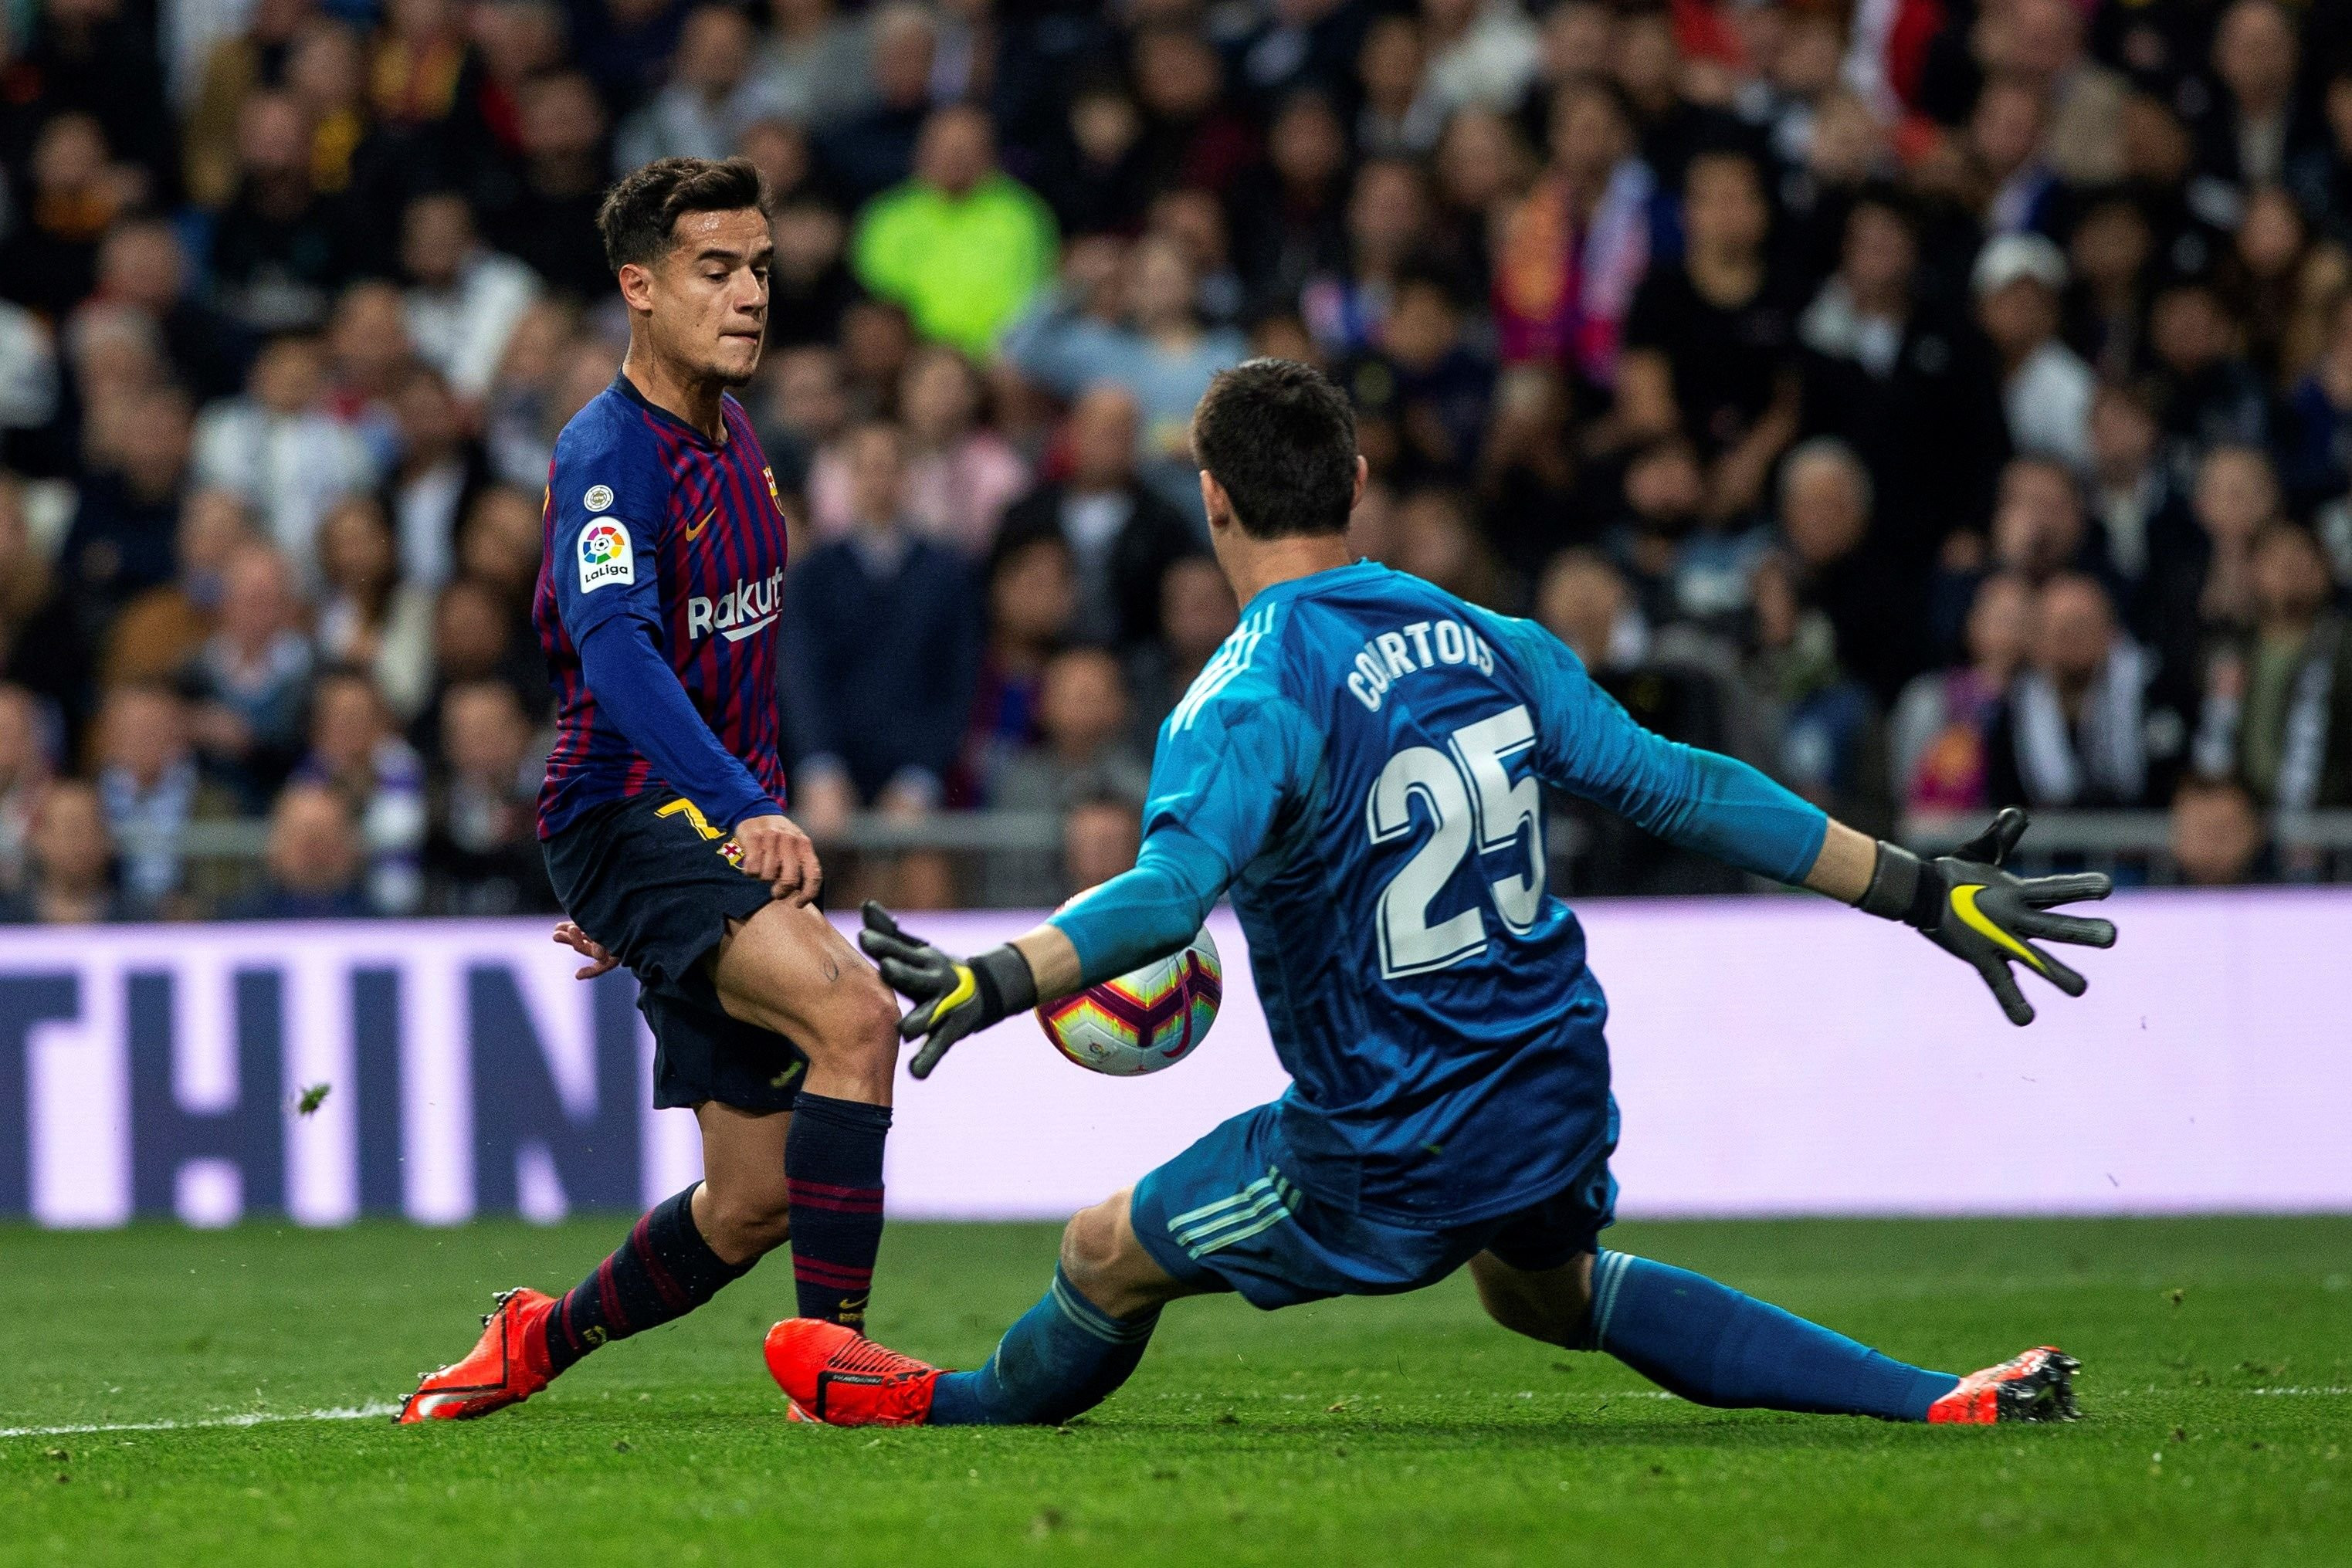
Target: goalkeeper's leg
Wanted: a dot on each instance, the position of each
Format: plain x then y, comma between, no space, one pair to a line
1713,1346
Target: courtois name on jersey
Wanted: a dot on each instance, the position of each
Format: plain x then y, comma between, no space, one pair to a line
1364,761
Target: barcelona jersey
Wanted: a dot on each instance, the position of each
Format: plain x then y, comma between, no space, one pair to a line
648,518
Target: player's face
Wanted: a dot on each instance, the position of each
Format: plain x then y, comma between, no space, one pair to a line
710,295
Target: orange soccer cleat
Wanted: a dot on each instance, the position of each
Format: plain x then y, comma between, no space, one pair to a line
2036,1387
834,1374
507,1365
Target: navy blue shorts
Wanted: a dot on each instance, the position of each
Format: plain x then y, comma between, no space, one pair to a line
1224,1217
648,878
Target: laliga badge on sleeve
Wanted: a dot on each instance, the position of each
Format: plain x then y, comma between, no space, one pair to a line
605,554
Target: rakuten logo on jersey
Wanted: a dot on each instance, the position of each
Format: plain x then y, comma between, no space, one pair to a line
747,608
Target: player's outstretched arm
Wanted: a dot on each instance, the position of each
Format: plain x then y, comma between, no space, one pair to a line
1967,904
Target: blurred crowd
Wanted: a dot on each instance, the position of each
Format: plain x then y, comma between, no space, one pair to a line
1941,404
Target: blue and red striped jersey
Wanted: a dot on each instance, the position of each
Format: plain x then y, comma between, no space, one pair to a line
648,518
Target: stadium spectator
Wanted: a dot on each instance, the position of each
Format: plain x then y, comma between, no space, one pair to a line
1910,386
281,247
152,792
2142,518
1197,614
482,849
313,868
1938,732
1388,231
876,720
355,753
1122,535
370,617
368,357
813,61
281,451
463,299
1815,724
544,212
1708,340
1032,601
2046,388
1101,835
2207,590
2073,729
1083,747
960,475
25,772
810,287
714,94
162,629
141,264
1422,390
1152,344
250,679
2277,712
439,472
72,859
48,260
1575,250
868,151
1827,513
121,540
44,648
2215,835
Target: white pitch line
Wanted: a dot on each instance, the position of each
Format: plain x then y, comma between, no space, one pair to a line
252,1418
2299,1390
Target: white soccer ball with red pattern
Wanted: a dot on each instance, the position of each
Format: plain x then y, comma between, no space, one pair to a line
1145,1020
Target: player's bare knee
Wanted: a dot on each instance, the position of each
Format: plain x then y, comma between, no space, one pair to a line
744,1223
1090,1247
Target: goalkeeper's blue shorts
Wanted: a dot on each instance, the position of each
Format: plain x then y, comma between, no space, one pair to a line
1223,1216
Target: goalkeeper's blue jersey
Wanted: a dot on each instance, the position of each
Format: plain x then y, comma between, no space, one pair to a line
1361,767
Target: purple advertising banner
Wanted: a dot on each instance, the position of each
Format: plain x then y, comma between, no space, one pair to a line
1772,1056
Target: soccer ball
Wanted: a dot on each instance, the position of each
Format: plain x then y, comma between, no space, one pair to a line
1144,1020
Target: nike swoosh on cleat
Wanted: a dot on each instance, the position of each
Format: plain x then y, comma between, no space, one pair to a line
696,532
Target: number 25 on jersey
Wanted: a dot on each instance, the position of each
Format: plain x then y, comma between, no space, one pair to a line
1470,799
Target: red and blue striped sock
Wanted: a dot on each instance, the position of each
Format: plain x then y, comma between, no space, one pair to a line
664,1270
832,1173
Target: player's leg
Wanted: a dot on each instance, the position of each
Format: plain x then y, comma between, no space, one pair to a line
1705,1340
787,970
689,1247
1062,1357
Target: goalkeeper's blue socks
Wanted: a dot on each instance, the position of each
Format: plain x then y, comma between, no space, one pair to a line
1715,1346
1064,1357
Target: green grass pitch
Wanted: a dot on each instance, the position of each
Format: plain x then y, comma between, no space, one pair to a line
2217,1393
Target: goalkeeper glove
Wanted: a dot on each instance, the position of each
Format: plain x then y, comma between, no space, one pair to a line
952,996
1965,905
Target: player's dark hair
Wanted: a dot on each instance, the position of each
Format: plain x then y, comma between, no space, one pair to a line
640,211
1281,439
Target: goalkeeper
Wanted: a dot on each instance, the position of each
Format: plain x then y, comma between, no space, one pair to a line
1361,767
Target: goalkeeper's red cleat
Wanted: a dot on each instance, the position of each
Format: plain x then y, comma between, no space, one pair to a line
833,1373
507,1365
2036,1387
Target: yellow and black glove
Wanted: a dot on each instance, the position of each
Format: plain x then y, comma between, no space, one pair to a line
1965,905
952,996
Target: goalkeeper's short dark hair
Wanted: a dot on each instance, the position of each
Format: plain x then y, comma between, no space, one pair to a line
640,211
1281,439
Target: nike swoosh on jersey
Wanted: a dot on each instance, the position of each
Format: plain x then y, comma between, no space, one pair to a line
696,532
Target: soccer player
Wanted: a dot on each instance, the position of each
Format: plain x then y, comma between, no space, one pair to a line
662,812
1361,766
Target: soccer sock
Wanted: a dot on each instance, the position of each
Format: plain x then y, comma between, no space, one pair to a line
664,1270
1715,1346
832,1171
1064,1357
